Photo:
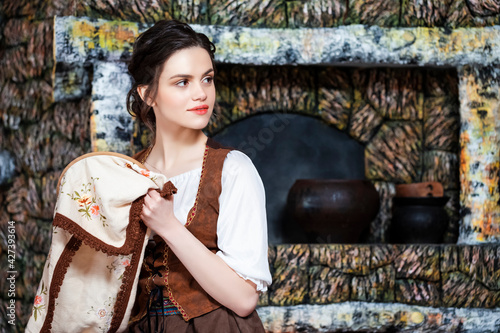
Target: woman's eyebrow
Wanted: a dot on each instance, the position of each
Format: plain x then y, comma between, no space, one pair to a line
188,76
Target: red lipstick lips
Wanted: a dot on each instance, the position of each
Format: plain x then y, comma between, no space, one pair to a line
200,109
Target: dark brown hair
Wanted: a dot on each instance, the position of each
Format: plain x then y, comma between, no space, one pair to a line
152,49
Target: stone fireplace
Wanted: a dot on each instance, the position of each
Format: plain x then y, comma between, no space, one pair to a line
389,125
416,98
422,104
417,102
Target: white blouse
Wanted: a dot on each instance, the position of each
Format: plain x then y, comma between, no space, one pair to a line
242,222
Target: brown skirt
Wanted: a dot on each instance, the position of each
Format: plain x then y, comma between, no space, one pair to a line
220,320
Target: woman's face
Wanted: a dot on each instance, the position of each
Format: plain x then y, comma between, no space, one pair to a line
186,91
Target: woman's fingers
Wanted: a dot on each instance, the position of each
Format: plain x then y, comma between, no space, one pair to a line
145,211
152,201
156,208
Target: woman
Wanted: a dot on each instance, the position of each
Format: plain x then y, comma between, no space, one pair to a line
206,262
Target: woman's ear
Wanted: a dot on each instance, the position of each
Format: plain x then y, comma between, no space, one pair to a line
141,90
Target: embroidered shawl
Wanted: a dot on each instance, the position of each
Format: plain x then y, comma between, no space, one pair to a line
90,275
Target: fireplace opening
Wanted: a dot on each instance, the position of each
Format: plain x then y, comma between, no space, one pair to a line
389,125
287,147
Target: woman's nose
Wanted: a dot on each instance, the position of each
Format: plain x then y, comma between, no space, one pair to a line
199,93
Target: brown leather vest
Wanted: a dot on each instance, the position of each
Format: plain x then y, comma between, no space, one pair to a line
178,284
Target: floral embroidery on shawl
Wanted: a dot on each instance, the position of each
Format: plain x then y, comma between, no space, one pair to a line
39,304
105,313
144,172
117,267
89,203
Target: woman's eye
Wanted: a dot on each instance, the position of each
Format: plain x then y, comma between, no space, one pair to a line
182,83
208,79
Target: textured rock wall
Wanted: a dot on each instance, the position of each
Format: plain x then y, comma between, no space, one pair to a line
426,275
41,136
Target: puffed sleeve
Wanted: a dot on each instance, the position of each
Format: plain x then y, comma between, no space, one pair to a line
242,222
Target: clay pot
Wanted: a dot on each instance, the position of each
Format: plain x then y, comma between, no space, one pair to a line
333,210
421,189
418,220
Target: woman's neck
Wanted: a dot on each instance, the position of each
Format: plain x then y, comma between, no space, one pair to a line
177,153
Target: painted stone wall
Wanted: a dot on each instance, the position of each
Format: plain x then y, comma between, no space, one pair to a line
426,275
480,160
41,133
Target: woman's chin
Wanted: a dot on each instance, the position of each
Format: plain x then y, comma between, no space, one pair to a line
196,124
204,122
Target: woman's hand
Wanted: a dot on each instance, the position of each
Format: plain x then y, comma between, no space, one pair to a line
158,212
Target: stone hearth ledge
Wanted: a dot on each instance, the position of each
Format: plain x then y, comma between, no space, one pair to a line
380,317
87,39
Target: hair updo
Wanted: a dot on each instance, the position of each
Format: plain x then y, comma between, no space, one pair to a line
151,50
